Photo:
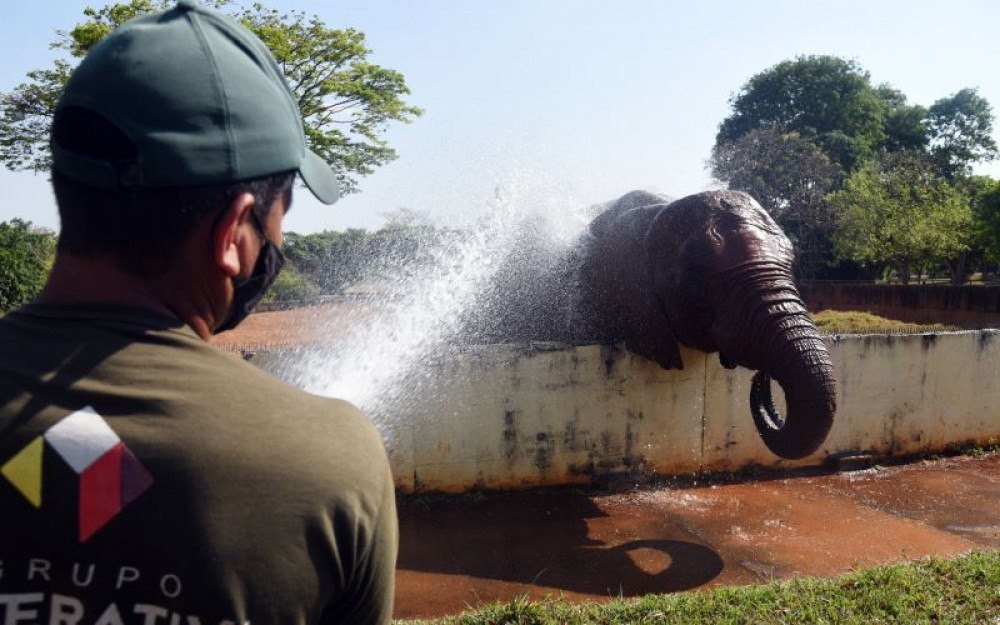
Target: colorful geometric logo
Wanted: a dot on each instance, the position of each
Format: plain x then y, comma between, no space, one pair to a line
111,477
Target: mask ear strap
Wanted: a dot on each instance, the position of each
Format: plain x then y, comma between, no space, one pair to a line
258,224
215,222
253,215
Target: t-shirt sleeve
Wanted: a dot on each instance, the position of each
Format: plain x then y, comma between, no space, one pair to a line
374,587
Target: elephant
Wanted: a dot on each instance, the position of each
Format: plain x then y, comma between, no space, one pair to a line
711,271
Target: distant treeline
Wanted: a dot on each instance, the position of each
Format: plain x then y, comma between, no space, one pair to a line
326,263
863,181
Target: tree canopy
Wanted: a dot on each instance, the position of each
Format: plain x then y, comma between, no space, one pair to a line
904,125
831,103
827,100
346,100
325,263
901,211
791,122
26,255
961,132
983,194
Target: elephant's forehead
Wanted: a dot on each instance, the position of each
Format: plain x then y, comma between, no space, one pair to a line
753,214
746,222
750,239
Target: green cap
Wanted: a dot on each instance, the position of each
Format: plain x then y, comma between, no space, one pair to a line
202,99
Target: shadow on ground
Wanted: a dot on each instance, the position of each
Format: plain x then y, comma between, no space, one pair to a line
558,540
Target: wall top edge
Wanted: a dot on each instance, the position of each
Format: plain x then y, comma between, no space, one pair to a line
535,348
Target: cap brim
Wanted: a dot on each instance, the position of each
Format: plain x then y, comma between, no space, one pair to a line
319,177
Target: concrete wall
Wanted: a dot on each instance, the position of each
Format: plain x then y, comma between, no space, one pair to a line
508,417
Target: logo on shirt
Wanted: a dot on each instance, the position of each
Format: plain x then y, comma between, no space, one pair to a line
111,477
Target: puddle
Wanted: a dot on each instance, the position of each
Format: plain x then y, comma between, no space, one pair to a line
587,545
975,529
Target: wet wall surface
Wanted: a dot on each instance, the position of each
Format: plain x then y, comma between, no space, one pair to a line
547,414
458,551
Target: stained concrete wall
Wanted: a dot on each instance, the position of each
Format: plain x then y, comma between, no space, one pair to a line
509,416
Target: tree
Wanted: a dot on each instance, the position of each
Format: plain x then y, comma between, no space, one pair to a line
900,210
291,286
904,125
961,127
790,177
325,263
827,100
26,255
346,101
983,194
328,261
830,104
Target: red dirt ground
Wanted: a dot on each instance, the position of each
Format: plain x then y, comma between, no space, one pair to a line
458,551
314,324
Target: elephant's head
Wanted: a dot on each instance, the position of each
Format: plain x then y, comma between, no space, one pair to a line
721,273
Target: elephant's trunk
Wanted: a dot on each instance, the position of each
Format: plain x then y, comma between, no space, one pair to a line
777,337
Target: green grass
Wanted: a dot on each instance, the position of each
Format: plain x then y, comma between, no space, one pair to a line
964,590
855,322
975,449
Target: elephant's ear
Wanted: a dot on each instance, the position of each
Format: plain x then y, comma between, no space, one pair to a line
652,335
662,265
662,348
655,339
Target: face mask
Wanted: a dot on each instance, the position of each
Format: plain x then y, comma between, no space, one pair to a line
247,292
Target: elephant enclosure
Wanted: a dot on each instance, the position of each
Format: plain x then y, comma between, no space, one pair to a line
462,550
514,416
545,415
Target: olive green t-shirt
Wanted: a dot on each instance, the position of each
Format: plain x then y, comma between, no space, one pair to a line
147,477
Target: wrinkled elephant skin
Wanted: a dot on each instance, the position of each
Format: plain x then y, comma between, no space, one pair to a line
711,271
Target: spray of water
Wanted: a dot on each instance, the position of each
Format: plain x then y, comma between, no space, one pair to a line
384,361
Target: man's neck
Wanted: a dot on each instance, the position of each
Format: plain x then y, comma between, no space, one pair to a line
79,280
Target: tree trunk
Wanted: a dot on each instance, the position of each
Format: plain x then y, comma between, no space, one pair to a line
903,272
959,268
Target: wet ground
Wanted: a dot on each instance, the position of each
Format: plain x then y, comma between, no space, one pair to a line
324,323
459,551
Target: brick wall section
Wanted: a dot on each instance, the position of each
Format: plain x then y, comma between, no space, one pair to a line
962,306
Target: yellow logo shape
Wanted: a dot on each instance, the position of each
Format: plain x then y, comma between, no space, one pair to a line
24,471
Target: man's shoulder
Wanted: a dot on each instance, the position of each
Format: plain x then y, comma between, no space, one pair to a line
257,391
211,407
305,434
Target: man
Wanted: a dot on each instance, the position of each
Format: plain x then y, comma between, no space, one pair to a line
146,477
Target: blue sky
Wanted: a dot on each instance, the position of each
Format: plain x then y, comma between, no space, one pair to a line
584,99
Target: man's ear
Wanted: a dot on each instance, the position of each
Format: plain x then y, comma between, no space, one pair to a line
233,231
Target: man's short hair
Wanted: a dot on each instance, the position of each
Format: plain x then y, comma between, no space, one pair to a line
140,229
